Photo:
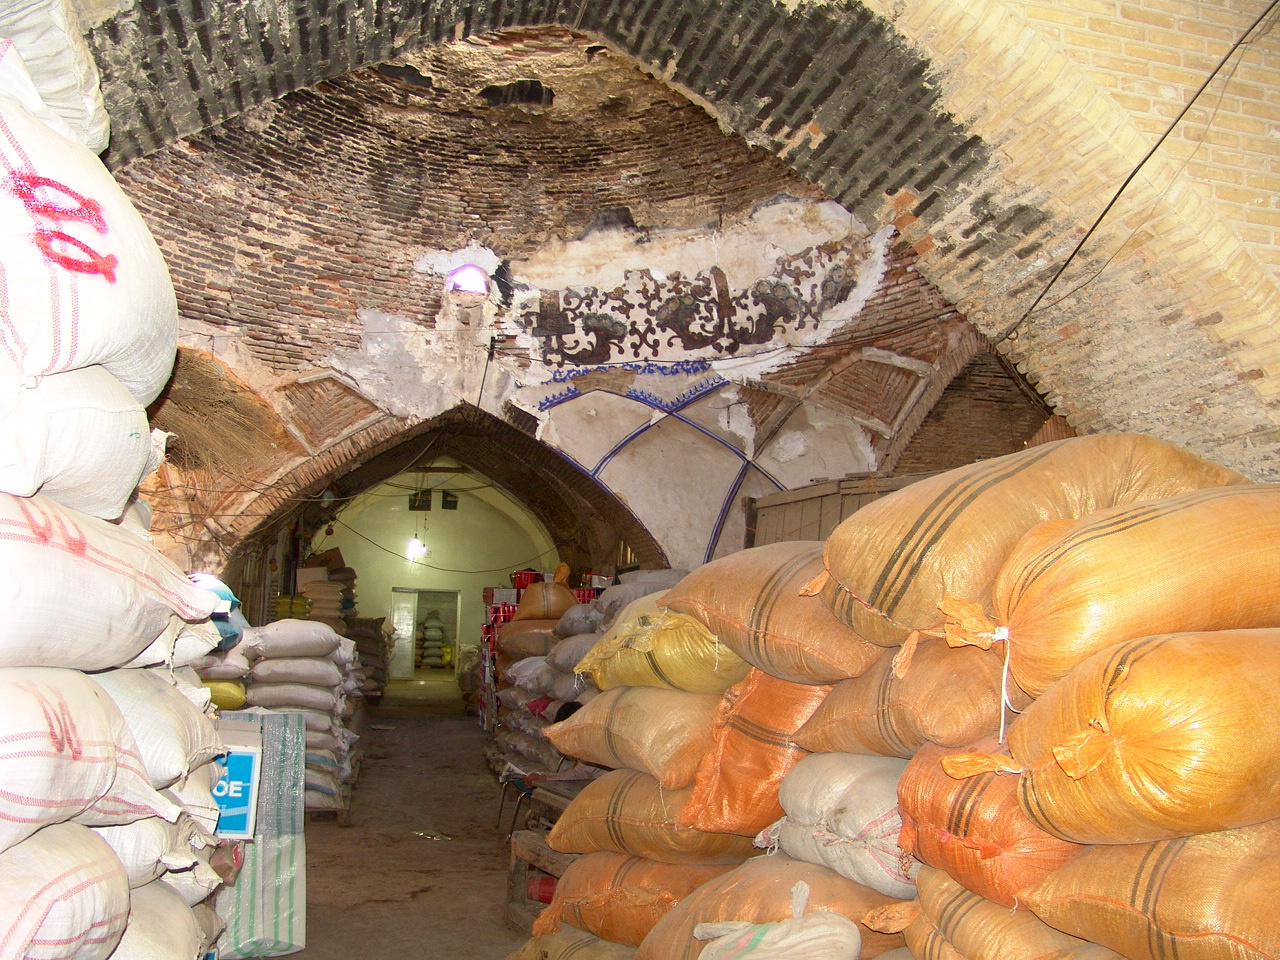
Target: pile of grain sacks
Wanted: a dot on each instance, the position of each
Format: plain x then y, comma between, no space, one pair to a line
538,651
106,746
1009,711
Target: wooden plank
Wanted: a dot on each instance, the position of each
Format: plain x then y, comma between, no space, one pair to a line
530,846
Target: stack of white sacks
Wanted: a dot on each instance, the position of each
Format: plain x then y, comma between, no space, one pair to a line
106,748
303,666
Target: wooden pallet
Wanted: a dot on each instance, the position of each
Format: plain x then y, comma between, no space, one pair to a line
530,856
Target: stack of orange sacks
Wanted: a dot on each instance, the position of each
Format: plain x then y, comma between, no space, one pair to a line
1002,713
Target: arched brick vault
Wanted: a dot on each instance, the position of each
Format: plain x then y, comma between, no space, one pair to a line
962,124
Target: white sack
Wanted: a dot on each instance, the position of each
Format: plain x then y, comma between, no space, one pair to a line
290,638
83,593
282,696
66,753
842,813
85,281
65,895
161,927
173,736
78,437
149,847
316,671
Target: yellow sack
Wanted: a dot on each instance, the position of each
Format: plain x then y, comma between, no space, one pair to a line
889,566
226,694
649,646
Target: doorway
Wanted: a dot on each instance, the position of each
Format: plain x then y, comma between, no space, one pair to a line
425,643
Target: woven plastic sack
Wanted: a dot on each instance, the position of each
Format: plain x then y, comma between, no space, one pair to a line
567,652
751,601
1152,739
546,600
650,647
664,733
758,892
284,696
290,638
1207,897
65,895
149,847
974,829
85,282
571,944
66,753
812,936
737,782
578,619
78,437
981,930
842,813
619,897
99,594
630,812
316,671
1195,562
173,735
266,910
161,926
519,639
226,694
889,566
946,696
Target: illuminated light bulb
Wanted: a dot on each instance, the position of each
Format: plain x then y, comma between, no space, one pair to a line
414,549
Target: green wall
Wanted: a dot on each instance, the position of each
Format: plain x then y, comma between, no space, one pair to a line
473,547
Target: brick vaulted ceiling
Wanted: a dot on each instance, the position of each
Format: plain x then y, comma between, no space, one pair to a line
382,128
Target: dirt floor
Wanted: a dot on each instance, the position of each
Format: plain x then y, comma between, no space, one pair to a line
381,886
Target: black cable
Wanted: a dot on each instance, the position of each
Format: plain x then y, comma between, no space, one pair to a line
1012,328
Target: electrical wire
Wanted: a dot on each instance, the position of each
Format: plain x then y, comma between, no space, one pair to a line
506,567
1012,330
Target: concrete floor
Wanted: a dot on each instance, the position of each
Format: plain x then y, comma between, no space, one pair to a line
376,888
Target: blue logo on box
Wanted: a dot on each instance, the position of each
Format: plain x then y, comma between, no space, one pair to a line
236,794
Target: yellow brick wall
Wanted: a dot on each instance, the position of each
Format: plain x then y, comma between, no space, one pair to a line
1151,56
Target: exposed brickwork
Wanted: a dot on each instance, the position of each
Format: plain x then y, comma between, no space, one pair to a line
981,414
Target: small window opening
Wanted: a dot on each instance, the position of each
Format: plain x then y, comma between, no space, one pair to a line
468,279
521,91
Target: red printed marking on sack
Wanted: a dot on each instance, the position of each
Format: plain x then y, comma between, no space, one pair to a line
48,200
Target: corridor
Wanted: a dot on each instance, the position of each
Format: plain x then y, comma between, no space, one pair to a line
381,886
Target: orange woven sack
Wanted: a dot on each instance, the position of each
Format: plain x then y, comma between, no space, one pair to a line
629,812
751,601
544,601
1198,561
979,929
759,891
619,897
974,829
738,781
1152,739
1206,897
926,942
664,733
889,566
946,696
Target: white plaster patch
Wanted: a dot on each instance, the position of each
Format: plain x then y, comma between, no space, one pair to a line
791,447
444,262
409,371
602,259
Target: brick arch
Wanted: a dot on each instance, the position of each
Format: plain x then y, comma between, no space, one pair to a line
586,523
986,146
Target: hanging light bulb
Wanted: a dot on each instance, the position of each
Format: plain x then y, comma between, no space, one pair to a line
414,549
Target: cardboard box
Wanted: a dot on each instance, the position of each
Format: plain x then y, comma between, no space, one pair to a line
237,792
